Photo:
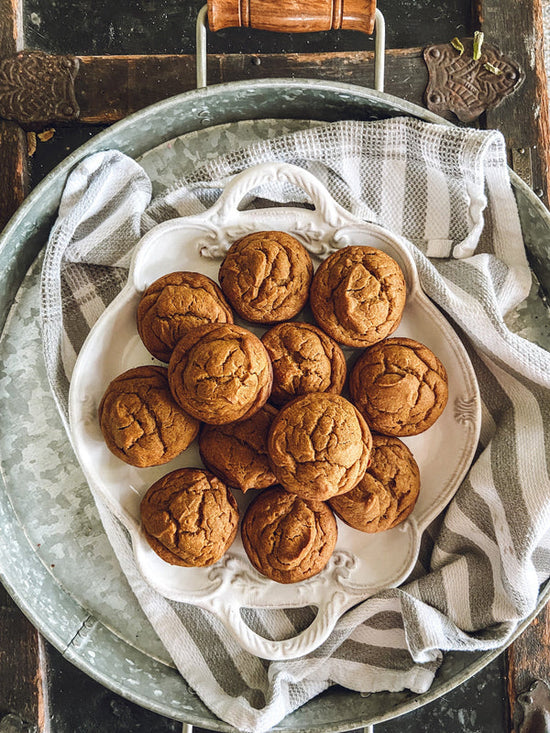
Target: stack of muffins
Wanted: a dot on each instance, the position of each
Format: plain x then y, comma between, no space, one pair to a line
268,412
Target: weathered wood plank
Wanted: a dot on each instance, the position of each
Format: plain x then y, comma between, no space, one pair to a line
13,164
11,28
22,681
523,117
20,670
168,27
79,704
527,661
109,88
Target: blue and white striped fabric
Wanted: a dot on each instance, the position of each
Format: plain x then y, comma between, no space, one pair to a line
448,192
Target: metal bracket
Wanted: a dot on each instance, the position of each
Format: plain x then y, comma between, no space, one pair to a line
465,85
379,48
536,708
37,88
522,164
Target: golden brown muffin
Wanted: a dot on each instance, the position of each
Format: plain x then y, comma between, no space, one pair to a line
266,277
173,305
387,493
220,373
286,538
189,517
319,446
237,452
358,295
140,420
304,360
399,386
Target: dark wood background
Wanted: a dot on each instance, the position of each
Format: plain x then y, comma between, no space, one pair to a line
135,53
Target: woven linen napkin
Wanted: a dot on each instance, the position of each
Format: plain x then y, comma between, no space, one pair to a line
448,192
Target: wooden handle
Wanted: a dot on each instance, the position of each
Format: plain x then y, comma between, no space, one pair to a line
292,16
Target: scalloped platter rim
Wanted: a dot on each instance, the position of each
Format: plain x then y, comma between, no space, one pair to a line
362,564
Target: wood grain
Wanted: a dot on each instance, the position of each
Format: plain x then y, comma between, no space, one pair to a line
20,672
14,181
22,677
109,88
522,117
11,33
288,16
13,143
528,659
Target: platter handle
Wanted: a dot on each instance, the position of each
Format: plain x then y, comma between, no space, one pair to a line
226,209
329,610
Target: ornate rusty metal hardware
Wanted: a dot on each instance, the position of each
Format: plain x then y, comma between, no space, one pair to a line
466,86
535,704
36,88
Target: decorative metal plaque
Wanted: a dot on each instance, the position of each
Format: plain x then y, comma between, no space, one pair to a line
467,86
37,88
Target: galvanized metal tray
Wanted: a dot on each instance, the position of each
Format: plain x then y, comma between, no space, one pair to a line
51,538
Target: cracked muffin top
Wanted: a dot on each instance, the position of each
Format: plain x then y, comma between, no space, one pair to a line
387,493
287,538
319,446
399,386
358,295
237,452
140,420
174,304
220,373
189,517
266,277
304,360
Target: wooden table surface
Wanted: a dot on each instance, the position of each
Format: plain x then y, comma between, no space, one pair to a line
147,52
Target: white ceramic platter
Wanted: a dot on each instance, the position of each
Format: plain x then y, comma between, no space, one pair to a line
362,564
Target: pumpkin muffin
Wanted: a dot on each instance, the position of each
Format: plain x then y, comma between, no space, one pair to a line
304,360
189,517
266,277
173,305
319,446
140,420
220,373
237,452
399,386
358,295
387,493
287,538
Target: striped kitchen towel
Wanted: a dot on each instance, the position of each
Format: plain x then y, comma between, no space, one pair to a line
446,190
